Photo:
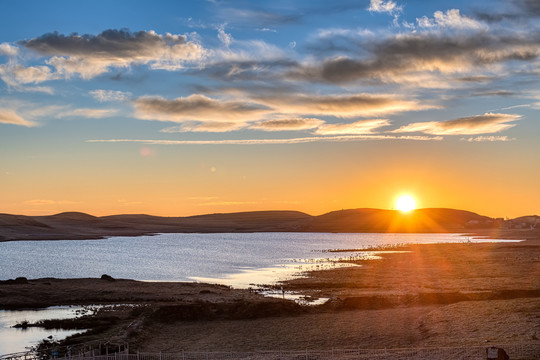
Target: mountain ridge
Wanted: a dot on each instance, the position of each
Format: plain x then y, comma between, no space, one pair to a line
78,225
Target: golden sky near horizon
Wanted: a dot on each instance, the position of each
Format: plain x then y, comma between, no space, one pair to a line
179,109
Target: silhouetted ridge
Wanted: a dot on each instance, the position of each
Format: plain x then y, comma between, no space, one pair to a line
76,225
73,215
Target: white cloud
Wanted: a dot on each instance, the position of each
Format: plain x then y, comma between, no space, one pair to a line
88,113
488,138
9,116
224,37
358,127
7,49
382,6
209,126
302,140
110,95
472,125
451,19
16,76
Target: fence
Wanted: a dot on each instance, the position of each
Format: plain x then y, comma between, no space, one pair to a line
515,351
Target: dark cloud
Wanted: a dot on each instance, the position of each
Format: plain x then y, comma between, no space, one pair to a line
349,105
518,11
531,7
122,43
197,107
92,55
391,58
288,124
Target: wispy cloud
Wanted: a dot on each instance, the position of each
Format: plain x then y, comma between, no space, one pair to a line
208,126
472,125
87,113
9,116
17,77
110,95
488,138
358,127
286,124
272,141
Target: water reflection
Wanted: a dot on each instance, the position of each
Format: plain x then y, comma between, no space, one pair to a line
17,339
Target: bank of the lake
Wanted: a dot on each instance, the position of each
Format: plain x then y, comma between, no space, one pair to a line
423,295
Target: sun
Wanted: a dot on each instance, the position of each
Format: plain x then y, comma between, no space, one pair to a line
405,203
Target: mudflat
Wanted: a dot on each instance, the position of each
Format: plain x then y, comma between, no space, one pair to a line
418,295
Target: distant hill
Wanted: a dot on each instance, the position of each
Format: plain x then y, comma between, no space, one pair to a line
376,220
76,225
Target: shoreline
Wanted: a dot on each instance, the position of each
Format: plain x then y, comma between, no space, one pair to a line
431,295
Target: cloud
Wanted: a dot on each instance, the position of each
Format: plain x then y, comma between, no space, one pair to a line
530,7
412,57
488,138
260,17
110,95
9,116
92,55
472,125
16,76
358,127
382,6
199,108
224,37
302,140
350,105
451,19
88,113
287,124
9,50
209,126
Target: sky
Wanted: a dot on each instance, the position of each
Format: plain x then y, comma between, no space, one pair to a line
178,108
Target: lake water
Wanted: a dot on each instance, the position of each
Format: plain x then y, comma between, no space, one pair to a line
16,340
232,259
237,259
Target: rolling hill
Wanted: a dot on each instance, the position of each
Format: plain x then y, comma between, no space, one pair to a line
76,225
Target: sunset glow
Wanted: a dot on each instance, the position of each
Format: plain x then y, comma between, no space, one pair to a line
405,203
179,108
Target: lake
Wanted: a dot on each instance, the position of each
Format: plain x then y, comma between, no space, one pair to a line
16,340
237,259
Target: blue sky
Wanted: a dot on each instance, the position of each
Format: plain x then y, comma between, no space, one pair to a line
178,108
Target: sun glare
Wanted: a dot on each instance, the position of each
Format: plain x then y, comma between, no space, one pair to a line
405,203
